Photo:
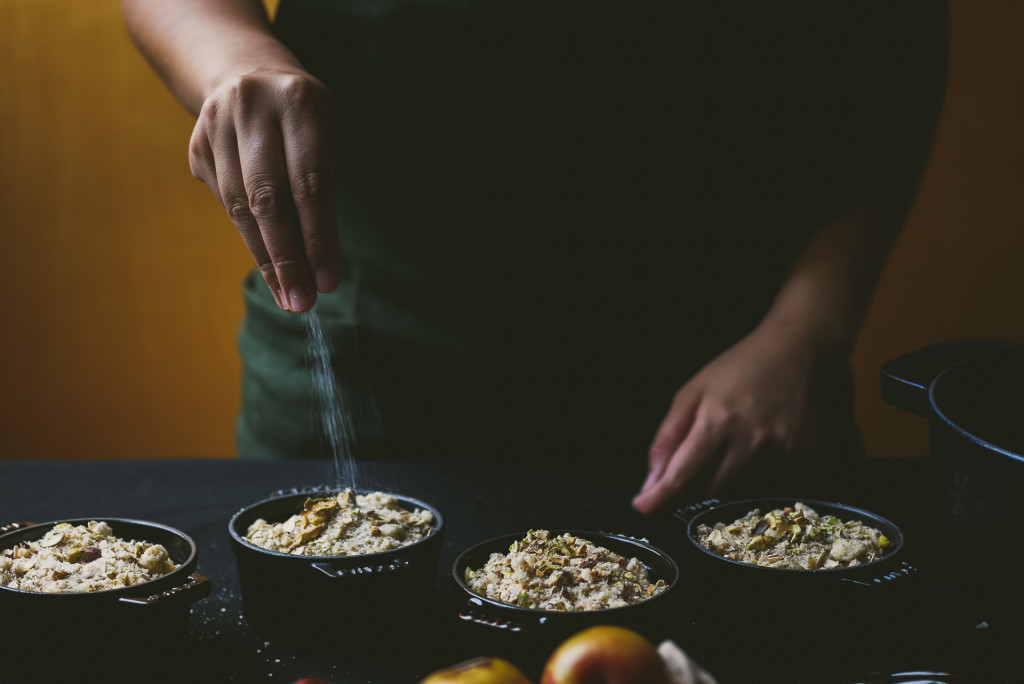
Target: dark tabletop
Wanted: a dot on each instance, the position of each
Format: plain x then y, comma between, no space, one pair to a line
957,621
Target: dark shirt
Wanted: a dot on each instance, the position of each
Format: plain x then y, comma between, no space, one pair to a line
587,200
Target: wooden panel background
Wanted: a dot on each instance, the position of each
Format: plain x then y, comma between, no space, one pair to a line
122,274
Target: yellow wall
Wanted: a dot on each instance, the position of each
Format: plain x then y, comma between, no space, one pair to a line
122,275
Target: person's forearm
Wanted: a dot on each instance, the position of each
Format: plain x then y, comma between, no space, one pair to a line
827,292
196,44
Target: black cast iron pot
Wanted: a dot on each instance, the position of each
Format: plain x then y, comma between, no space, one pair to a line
525,633
336,602
138,625
972,393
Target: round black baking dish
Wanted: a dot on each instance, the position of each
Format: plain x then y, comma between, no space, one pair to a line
492,623
881,573
137,625
332,601
812,611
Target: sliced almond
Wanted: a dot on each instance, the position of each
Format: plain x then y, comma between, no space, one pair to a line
52,538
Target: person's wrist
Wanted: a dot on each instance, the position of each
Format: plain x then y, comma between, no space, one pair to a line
818,337
252,54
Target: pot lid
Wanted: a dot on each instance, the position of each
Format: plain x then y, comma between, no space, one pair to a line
983,398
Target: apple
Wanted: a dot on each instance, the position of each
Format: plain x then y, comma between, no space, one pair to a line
479,671
605,655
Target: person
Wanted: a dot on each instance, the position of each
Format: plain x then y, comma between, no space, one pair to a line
559,228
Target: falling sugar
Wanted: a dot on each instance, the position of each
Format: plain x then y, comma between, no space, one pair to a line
335,417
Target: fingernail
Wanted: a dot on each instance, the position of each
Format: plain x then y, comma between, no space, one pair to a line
652,477
298,299
325,280
279,298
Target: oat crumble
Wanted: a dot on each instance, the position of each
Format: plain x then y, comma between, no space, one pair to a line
82,558
562,573
348,524
795,538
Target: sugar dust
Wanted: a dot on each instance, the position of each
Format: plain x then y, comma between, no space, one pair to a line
330,413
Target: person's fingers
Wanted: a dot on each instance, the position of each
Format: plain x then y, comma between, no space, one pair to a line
236,200
262,145
731,465
214,159
308,153
703,443
267,187
670,434
201,160
760,444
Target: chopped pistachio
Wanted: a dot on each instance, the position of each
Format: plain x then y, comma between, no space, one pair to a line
758,543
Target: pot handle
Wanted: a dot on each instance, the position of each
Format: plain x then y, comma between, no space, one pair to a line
900,574
10,527
688,513
196,587
905,380
473,612
309,489
397,565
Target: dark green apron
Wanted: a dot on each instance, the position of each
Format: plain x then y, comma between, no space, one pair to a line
553,212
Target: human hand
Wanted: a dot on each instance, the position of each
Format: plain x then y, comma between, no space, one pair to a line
767,396
262,144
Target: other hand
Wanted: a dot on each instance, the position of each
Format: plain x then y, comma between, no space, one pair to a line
767,396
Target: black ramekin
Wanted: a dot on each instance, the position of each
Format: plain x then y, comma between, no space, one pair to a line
134,625
502,627
888,571
331,601
811,611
